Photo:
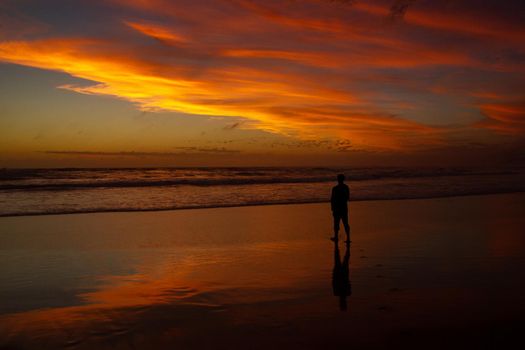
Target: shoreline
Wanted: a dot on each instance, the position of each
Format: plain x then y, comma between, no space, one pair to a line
132,210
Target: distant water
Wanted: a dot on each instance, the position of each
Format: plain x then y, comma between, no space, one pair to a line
60,191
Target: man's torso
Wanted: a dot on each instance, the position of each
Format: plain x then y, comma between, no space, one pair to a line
340,196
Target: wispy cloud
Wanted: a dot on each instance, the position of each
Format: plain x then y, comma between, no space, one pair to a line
157,32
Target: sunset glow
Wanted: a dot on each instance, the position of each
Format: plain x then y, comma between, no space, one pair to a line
272,78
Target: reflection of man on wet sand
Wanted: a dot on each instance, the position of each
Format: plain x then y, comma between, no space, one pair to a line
341,276
338,201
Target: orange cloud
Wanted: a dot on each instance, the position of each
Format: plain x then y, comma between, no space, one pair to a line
503,117
371,58
505,113
133,80
157,32
288,104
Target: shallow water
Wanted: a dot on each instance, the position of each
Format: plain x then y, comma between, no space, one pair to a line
263,277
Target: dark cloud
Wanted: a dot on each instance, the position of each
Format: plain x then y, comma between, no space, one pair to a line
186,151
16,24
343,145
232,126
399,8
346,2
207,149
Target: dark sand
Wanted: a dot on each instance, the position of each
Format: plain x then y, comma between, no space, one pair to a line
436,273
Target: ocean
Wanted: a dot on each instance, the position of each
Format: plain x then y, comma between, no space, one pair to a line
66,191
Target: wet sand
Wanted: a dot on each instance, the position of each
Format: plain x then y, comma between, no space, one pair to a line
434,273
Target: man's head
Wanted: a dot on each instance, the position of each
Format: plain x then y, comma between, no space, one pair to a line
341,178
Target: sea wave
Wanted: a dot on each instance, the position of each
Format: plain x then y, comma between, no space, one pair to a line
72,179
68,191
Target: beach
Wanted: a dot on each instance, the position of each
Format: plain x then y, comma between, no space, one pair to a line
422,273
172,174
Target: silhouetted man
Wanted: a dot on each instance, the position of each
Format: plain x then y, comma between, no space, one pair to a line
339,200
341,276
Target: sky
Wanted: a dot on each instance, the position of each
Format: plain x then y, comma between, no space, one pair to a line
253,82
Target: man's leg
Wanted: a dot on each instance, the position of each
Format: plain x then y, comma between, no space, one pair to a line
336,226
